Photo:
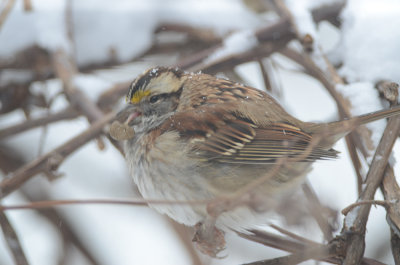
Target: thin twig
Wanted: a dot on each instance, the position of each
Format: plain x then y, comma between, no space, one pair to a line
52,160
11,163
355,159
316,253
46,204
305,39
346,210
105,102
336,247
316,210
343,104
355,227
4,13
66,69
12,240
312,69
271,38
265,76
289,245
65,114
293,235
184,234
28,5
69,25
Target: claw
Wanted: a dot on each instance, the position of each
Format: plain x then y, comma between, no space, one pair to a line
209,240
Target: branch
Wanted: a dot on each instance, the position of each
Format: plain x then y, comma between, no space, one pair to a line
395,245
343,104
12,240
11,163
317,253
53,159
182,232
66,69
105,103
4,13
333,251
355,222
316,210
390,187
65,114
271,38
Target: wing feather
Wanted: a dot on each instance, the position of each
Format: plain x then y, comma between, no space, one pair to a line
236,140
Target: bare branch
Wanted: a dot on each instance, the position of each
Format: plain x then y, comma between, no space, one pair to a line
316,210
12,240
4,13
271,38
395,245
391,193
354,228
183,234
28,5
65,114
317,253
265,75
10,163
52,160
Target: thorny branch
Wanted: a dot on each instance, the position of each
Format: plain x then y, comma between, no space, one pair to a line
272,38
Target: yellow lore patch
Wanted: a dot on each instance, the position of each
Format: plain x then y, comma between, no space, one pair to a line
137,97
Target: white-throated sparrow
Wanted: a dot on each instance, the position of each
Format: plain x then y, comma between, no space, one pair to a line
197,138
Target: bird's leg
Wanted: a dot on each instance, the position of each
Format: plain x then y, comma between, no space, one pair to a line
209,239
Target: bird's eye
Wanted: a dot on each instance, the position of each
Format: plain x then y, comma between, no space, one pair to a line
154,99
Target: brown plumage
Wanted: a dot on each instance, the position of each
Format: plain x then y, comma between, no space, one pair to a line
198,137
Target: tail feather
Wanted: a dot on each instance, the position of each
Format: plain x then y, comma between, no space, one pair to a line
338,129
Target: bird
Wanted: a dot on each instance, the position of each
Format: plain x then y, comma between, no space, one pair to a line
197,138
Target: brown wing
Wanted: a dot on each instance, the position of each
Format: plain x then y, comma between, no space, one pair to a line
277,141
235,139
250,133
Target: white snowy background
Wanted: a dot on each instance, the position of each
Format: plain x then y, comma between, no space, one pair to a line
368,47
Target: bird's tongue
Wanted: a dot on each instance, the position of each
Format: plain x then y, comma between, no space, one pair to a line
132,116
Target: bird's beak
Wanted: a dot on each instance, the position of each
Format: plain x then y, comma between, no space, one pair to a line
122,127
128,115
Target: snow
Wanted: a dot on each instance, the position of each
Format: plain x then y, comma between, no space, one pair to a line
23,29
102,28
92,84
364,98
301,12
55,37
369,47
238,42
351,217
43,237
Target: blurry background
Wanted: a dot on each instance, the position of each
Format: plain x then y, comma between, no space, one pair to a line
72,61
